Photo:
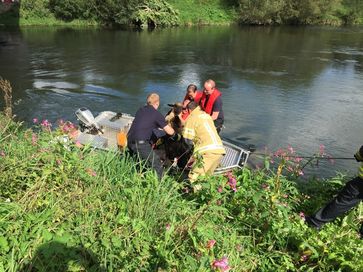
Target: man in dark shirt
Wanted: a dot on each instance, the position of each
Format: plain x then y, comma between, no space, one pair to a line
147,120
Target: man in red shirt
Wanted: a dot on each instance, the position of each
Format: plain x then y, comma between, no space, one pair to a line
211,103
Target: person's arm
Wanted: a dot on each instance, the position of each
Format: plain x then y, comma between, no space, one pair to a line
359,155
217,107
169,130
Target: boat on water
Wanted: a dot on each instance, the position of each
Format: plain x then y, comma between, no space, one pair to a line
102,132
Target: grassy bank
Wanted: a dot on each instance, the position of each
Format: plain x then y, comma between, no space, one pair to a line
167,13
65,206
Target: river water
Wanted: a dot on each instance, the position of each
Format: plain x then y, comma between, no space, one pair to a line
298,86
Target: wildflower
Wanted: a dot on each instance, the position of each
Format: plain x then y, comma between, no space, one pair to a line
265,186
59,162
290,169
221,265
301,173
211,244
168,226
298,159
322,150
91,172
2,153
78,144
46,124
285,195
220,189
291,150
35,120
232,182
219,202
302,215
304,258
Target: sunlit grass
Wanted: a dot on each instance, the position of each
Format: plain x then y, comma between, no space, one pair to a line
64,207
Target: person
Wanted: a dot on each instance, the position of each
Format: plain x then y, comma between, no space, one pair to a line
211,103
148,120
192,94
350,196
200,132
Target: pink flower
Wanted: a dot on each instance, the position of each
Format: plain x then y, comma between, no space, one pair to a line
91,172
78,144
46,124
220,189
265,186
2,153
298,159
211,244
304,258
59,162
301,173
232,182
291,150
285,195
321,150
221,265
302,215
168,226
35,120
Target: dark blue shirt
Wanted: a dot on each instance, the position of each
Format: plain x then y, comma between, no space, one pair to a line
217,106
146,119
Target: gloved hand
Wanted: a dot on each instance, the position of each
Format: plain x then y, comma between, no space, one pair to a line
359,155
176,137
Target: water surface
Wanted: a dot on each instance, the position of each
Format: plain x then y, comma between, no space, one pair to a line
281,85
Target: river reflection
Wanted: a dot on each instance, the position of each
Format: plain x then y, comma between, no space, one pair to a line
281,86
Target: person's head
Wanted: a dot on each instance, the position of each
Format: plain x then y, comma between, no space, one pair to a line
153,100
209,86
192,106
191,91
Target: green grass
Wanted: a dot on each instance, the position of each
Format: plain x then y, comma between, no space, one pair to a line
64,208
196,12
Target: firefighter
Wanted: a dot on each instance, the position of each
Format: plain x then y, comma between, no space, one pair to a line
350,196
200,132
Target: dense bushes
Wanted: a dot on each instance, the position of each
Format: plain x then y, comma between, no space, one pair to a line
168,12
292,11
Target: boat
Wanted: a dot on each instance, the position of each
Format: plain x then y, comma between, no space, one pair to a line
101,133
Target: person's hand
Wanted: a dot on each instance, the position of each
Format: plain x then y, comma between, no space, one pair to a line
357,158
176,137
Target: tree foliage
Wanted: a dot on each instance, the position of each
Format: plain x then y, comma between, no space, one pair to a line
265,12
154,13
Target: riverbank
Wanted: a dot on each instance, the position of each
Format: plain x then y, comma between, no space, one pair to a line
162,13
66,206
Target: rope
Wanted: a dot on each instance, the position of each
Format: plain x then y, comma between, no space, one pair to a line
311,157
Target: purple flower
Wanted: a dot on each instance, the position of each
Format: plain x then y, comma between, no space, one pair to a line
221,265
35,120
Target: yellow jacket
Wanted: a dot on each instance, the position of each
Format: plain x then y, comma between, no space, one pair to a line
359,157
199,128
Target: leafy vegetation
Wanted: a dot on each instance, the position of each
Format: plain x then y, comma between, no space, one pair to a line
143,13
65,207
